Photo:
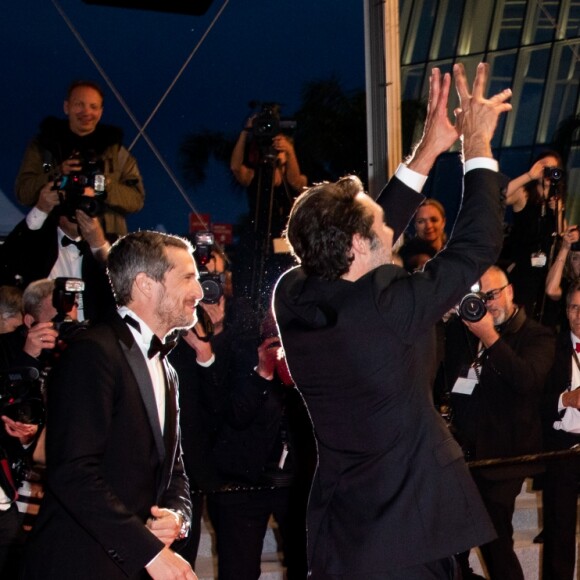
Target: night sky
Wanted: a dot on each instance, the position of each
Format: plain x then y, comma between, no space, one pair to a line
257,50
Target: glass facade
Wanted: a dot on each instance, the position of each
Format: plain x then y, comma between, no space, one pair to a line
532,46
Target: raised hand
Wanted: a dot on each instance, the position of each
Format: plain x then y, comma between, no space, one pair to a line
477,116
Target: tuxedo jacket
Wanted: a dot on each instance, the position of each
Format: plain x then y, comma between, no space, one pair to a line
558,381
107,461
29,255
391,489
502,417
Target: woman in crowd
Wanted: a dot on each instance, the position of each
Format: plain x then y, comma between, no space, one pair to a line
430,223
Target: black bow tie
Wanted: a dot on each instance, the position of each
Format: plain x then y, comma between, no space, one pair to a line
163,348
66,241
155,346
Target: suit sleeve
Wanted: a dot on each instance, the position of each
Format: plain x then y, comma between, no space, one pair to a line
525,371
399,203
413,303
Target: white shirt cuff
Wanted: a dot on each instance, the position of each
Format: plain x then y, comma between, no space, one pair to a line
36,218
481,163
153,559
208,362
560,404
411,178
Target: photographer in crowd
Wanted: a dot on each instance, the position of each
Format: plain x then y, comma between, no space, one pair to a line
537,199
496,362
20,350
563,272
264,161
60,240
77,149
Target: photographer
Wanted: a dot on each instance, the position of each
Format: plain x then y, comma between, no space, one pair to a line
20,439
563,272
265,163
10,308
495,368
50,244
64,148
537,199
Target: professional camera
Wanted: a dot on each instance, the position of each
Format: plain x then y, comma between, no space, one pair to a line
20,395
64,297
265,126
472,306
553,173
71,187
211,283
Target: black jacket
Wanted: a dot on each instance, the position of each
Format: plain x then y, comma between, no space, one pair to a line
501,418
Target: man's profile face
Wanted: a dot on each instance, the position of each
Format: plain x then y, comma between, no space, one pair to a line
382,245
573,313
179,293
502,307
84,109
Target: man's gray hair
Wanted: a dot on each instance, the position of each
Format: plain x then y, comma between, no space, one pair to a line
34,295
137,252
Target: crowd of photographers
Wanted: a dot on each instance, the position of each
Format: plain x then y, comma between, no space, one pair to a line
248,446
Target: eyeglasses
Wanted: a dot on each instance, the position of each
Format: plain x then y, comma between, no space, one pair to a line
495,294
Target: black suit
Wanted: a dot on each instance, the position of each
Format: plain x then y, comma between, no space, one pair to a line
29,255
560,495
391,490
501,418
108,461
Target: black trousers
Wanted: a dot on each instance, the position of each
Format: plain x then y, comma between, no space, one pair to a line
560,498
240,520
499,497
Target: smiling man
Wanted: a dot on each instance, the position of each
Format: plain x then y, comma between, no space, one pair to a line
117,494
64,146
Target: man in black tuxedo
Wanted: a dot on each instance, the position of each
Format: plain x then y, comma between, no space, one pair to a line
562,422
496,368
50,244
117,496
392,497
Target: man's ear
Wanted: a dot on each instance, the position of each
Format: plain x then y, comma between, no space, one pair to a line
143,284
360,244
65,107
28,320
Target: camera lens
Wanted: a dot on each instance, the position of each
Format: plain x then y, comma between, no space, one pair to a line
472,307
212,291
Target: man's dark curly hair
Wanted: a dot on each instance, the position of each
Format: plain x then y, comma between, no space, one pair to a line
322,223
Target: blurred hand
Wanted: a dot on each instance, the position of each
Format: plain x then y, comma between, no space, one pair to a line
170,566
282,143
477,116
268,357
70,165
22,431
48,198
484,329
571,236
165,524
40,336
90,229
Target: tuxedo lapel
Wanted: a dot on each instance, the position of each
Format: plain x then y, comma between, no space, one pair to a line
170,438
135,359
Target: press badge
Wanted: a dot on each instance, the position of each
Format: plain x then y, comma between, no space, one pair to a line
465,385
538,260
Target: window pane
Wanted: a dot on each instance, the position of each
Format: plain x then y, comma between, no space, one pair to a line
528,89
508,25
561,89
475,27
446,33
502,68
